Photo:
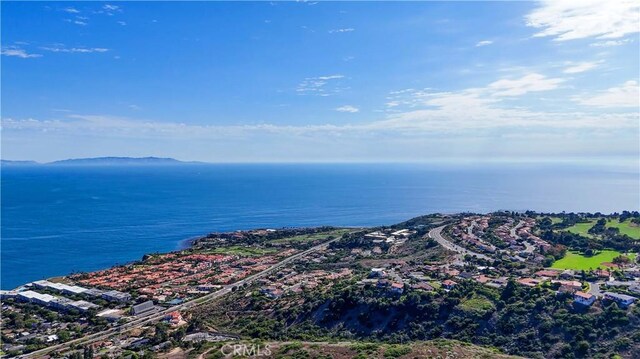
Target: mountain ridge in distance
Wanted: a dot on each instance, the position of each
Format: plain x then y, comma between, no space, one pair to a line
106,161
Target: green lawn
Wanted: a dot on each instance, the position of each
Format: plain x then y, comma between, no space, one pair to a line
582,228
313,237
625,227
577,261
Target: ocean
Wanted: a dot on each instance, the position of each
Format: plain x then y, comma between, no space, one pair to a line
62,219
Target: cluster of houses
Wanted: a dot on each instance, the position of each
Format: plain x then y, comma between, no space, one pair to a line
470,230
179,276
525,231
288,280
522,244
566,283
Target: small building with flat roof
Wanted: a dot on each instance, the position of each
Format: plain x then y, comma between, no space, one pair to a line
142,308
116,296
622,299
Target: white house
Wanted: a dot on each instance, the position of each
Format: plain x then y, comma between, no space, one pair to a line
584,298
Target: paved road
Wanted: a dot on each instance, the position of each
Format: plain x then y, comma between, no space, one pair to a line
436,234
512,231
157,316
594,289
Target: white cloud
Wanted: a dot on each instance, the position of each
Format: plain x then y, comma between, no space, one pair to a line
71,10
610,43
348,108
76,21
122,23
575,68
578,19
17,52
528,83
83,50
484,43
110,7
348,29
626,95
318,85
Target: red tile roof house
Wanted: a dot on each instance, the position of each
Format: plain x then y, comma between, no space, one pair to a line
449,284
548,273
529,282
397,287
583,298
568,285
422,286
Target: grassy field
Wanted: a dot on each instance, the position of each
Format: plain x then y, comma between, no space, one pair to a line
582,228
626,227
554,220
241,251
314,236
577,261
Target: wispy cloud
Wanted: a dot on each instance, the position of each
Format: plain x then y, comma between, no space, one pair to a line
484,43
348,108
77,21
318,85
610,43
626,95
82,50
110,9
575,68
71,10
17,52
529,83
571,20
348,29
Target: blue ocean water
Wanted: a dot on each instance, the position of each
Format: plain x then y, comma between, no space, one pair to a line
56,219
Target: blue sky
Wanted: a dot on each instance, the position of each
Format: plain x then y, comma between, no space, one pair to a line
321,81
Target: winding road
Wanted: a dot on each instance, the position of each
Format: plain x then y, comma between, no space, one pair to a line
436,234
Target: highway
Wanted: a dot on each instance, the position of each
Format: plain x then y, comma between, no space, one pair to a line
157,316
436,234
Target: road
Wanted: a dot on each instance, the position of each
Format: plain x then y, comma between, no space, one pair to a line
512,231
436,234
157,316
594,289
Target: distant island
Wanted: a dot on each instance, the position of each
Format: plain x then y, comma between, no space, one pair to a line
105,161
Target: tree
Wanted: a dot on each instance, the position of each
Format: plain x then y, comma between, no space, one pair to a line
88,352
621,260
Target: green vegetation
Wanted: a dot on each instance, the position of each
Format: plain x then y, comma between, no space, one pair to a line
577,261
396,351
476,304
627,227
314,236
242,251
582,228
554,220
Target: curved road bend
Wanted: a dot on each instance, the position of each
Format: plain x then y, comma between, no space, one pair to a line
156,316
436,234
